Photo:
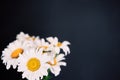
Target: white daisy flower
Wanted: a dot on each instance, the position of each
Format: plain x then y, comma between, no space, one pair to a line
11,53
30,40
41,43
33,64
47,48
59,45
56,63
22,36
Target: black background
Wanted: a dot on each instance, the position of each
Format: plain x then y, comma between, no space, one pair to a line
92,27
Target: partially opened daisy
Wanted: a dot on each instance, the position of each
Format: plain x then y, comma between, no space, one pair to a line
56,63
11,53
30,40
22,36
33,64
59,45
41,43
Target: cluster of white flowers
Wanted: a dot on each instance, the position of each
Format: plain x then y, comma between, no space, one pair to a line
33,56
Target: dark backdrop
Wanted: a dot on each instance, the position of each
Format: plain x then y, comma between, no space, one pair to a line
92,27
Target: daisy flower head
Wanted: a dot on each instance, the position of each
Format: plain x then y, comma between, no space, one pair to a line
30,40
11,53
33,64
59,45
22,36
47,48
56,63
41,43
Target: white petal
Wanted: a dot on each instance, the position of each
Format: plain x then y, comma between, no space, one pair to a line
66,43
14,66
44,72
57,50
62,63
60,57
57,71
50,39
7,66
66,49
55,40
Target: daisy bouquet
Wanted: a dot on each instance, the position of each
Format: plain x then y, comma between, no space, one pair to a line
35,57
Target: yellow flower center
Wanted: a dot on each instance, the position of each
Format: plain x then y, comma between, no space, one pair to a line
44,47
59,44
54,63
30,38
16,52
33,64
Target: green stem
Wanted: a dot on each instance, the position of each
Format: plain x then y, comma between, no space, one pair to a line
47,77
